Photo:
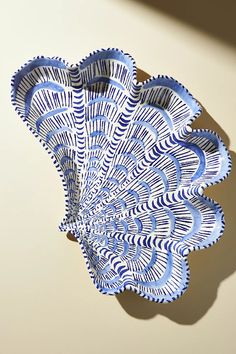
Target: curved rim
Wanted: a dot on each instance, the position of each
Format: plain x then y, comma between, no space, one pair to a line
179,292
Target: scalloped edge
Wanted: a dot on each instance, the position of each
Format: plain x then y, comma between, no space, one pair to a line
50,153
179,292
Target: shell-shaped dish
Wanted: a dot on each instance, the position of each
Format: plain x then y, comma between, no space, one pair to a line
133,170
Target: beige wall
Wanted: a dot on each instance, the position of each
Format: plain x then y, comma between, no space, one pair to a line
48,304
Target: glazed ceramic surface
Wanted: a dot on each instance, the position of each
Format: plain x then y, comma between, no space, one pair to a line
133,170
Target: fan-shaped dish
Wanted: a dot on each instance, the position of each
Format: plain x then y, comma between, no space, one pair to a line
133,170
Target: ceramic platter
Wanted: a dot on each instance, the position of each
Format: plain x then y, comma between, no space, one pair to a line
133,169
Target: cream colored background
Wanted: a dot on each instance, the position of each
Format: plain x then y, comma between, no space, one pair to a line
48,304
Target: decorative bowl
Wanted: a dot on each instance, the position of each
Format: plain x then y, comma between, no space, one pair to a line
133,170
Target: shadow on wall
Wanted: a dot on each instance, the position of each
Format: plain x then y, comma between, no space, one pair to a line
208,268
217,18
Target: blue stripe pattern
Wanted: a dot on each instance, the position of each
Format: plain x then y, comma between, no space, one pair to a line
133,170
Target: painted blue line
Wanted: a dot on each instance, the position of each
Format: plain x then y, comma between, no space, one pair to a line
35,64
160,282
108,54
102,99
106,80
148,126
57,131
197,220
44,85
41,119
163,177
202,161
162,111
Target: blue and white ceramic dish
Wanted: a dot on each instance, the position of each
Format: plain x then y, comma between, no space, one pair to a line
133,170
